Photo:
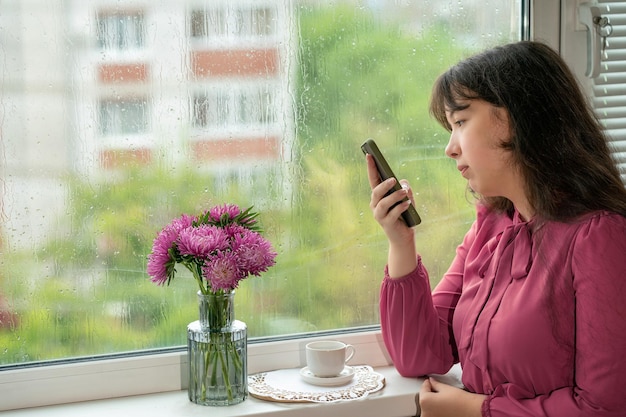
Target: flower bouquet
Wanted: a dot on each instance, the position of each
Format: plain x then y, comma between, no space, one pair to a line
220,247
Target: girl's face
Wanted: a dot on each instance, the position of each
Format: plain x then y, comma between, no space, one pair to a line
478,131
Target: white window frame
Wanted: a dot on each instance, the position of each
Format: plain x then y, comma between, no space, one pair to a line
28,386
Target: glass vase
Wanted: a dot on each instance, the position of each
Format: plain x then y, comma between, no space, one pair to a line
217,348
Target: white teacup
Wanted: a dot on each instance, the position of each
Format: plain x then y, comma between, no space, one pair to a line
328,358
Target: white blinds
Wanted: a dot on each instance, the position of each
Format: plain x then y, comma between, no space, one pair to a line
609,87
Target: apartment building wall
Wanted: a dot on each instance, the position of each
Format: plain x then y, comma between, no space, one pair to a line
67,88
175,68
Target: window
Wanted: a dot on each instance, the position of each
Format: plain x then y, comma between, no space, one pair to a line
326,76
119,117
221,107
605,80
232,22
120,30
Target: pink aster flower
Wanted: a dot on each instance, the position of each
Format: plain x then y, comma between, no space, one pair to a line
160,256
222,272
182,222
234,230
230,210
202,241
254,253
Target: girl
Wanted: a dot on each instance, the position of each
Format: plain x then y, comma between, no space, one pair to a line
534,303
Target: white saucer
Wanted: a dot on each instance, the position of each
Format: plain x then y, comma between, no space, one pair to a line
343,378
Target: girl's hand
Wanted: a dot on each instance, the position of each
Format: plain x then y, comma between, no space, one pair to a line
437,399
392,224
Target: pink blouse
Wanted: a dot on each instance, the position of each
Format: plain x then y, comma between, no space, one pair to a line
535,313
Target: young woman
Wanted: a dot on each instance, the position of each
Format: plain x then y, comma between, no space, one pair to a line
534,303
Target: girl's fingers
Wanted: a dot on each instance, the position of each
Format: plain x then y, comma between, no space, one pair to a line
407,187
380,197
434,384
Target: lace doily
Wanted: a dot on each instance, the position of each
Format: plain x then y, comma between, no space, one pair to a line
286,385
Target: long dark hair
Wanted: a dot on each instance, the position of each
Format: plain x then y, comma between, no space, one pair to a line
556,141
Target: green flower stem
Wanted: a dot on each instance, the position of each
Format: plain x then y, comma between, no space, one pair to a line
218,315
196,271
229,388
214,357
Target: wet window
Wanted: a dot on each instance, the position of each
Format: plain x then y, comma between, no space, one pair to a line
116,118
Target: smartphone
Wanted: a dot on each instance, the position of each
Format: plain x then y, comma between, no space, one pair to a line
410,216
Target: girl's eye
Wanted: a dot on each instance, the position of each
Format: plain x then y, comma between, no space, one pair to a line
459,123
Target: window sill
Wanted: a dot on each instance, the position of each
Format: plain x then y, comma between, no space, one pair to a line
60,384
397,398
155,385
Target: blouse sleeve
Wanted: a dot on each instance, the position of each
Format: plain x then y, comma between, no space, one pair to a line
417,326
599,281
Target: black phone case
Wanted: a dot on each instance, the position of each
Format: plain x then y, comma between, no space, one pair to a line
410,216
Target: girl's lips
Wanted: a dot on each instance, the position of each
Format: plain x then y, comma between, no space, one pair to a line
462,169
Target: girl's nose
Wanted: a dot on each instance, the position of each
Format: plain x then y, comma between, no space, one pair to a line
452,148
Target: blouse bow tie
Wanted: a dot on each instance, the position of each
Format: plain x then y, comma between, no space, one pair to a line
513,247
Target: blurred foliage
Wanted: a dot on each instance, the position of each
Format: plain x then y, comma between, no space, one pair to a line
86,292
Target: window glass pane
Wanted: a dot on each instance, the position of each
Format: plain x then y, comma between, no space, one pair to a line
122,116
119,30
260,103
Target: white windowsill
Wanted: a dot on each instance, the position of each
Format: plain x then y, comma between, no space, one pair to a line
397,398
155,385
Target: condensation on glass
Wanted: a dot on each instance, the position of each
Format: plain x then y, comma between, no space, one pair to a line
116,117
